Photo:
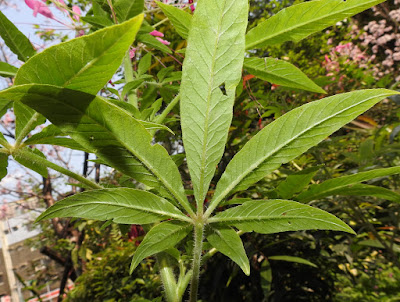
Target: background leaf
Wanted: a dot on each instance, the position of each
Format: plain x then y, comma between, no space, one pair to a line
294,183
275,216
121,205
211,63
3,165
161,237
180,19
299,21
86,63
292,259
291,135
15,40
127,9
341,184
228,242
7,70
281,73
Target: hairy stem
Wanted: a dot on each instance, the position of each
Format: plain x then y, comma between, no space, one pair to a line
167,110
128,72
198,245
168,278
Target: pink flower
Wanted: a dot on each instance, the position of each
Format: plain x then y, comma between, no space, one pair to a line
39,7
192,8
156,33
77,12
163,41
132,53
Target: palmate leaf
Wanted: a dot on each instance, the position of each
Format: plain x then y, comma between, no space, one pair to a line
290,136
299,21
106,130
7,70
15,40
274,216
85,63
228,242
180,19
161,237
121,205
337,186
211,72
281,73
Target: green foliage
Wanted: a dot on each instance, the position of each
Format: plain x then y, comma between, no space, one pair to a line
61,84
7,70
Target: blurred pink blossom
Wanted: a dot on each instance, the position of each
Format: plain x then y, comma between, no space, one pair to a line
132,53
39,7
77,12
156,33
165,42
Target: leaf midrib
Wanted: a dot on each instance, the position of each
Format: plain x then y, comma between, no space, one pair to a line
264,158
124,206
300,25
206,121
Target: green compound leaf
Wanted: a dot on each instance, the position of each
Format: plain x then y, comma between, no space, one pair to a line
15,40
211,71
274,216
7,70
86,63
161,237
339,186
281,73
290,136
107,130
299,21
121,205
228,242
180,19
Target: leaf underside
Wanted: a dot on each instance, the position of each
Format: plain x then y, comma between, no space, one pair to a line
213,62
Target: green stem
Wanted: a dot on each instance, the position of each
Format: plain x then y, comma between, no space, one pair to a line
167,110
168,278
128,72
27,128
40,160
198,246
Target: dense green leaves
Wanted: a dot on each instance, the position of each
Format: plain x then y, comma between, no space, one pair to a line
15,40
107,130
180,19
7,70
299,21
161,237
294,183
127,9
228,242
281,73
122,205
291,135
274,216
86,63
211,72
339,186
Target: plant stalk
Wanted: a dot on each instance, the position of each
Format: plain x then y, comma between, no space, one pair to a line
197,250
171,105
40,160
25,131
168,278
128,72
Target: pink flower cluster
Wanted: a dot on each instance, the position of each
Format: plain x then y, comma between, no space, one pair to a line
158,35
